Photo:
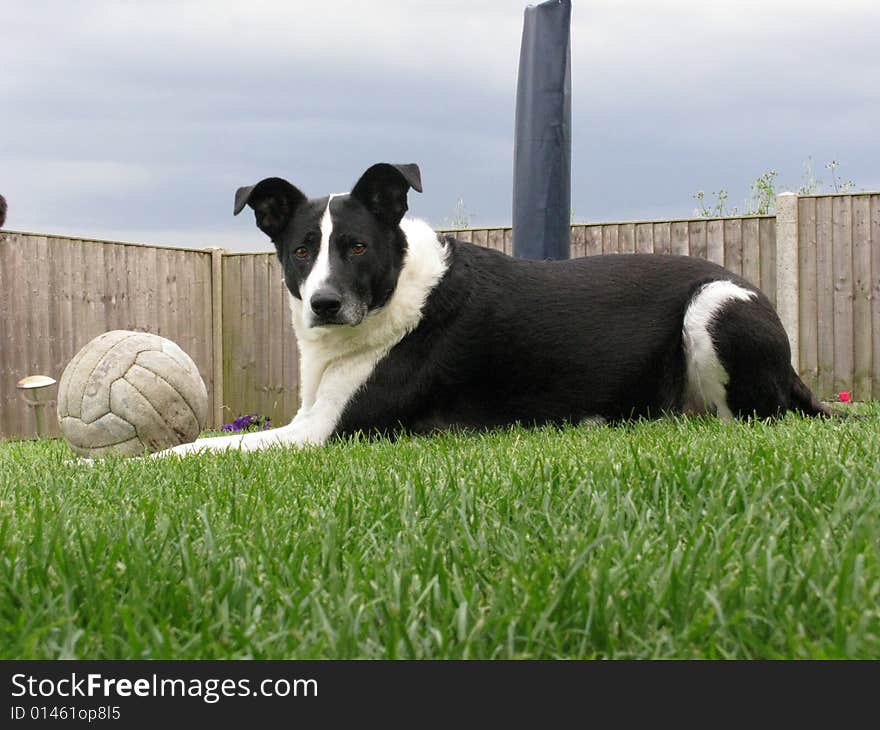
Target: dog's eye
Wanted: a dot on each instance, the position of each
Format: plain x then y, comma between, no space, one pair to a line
358,248
301,253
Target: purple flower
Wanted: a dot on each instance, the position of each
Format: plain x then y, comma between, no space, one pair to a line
248,422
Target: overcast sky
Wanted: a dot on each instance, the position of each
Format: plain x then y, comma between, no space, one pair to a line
138,120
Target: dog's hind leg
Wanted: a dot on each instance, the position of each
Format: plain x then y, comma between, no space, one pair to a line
754,354
707,377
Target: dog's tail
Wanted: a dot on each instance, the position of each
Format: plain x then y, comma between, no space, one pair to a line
804,401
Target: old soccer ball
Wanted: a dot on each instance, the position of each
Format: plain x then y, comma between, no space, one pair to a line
130,393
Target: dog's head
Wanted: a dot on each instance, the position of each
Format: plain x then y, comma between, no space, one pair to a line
341,255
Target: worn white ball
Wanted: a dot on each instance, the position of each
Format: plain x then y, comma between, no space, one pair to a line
130,393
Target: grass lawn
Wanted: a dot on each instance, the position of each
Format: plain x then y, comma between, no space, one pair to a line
678,539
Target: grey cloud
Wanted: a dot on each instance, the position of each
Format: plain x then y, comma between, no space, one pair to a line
121,119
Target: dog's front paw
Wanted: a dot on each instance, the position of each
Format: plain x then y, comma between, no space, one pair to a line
200,446
179,451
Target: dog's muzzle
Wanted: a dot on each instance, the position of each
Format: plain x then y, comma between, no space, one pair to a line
329,308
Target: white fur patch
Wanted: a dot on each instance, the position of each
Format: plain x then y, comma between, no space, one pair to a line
706,377
321,268
336,361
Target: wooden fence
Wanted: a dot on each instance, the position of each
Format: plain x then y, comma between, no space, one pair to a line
58,293
839,293
745,245
820,265
261,360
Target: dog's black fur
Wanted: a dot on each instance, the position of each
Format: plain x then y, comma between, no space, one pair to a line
504,340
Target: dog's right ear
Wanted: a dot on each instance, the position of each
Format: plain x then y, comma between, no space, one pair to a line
274,201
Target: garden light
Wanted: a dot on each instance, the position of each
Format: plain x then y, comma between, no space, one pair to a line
35,390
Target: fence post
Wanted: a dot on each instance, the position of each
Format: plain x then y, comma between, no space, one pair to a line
217,331
787,284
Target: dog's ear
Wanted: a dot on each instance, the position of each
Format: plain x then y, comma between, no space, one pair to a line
383,188
274,201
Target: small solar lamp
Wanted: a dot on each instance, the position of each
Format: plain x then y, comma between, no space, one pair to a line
36,392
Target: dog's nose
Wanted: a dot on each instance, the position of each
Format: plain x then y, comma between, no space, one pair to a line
326,303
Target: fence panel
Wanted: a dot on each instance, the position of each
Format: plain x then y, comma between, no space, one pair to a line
58,293
261,360
839,274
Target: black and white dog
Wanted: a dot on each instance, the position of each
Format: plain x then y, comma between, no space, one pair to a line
400,329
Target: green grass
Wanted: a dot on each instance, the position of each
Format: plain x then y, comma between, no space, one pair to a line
675,539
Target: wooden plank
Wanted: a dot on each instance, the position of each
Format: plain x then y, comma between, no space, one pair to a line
271,370
262,388
19,419
8,247
508,241
146,291
824,299
39,303
808,312
26,362
875,295
20,354
593,241
32,316
480,237
290,356
181,318
128,317
610,239
116,300
248,346
196,283
662,238
107,279
253,401
680,243
165,315
273,347
110,287
495,239
213,295
94,291
697,240
767,246
733,245
464,235
841,251
192,297
627,238
751,262
124,301
91,311
578,241
83,328
67,343
715,241
861,314
184,314
644,238
231,335
42,336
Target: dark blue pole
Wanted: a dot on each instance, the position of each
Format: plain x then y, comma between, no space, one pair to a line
542,146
